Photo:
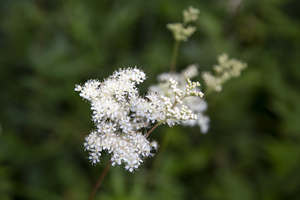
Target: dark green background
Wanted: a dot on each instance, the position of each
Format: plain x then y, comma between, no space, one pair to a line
252,149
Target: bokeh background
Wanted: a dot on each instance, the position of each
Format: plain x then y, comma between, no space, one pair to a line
252,149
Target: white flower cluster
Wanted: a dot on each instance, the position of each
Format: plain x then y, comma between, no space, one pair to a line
179,30
122,116
172,85
190,15
225,70
180,33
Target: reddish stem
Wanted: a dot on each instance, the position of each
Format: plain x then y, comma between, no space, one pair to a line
99,181
156,125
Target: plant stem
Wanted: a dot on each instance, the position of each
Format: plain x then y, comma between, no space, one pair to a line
174,56
154,127
99,181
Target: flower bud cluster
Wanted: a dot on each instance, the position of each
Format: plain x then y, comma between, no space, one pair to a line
178,88
175,114
190,15
192,85
225,70
180,31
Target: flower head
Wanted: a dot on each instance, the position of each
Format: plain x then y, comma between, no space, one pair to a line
120,114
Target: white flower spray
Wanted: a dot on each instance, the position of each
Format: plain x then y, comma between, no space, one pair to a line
122,116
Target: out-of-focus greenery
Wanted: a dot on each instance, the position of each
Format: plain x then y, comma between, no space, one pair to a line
252,149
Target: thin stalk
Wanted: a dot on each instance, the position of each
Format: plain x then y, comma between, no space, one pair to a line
99,181
174,56
154,127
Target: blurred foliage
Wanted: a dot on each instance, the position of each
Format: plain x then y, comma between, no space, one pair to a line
252,150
